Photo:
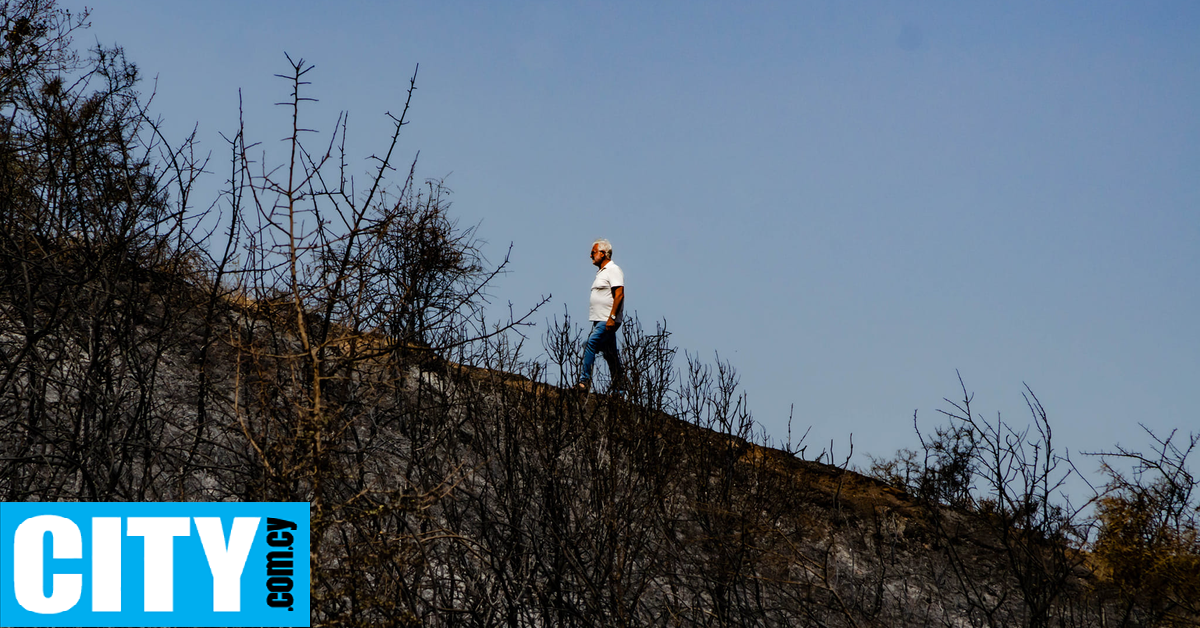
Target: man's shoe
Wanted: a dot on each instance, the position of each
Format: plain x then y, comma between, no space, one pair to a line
582,387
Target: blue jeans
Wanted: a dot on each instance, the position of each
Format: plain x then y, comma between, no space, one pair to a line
604,341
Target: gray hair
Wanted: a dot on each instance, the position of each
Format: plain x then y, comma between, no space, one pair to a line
604,246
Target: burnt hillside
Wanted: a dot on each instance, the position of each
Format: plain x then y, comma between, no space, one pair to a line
452,494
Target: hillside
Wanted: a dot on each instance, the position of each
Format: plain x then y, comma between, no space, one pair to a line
448,494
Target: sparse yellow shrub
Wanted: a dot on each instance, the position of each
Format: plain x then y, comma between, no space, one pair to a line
1150,552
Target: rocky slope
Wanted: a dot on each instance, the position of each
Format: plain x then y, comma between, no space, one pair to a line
452,494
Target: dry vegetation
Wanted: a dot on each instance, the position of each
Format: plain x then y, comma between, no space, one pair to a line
328,344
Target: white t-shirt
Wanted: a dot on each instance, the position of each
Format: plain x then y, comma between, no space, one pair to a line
607,278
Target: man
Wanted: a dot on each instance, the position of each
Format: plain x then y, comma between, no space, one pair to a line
605,310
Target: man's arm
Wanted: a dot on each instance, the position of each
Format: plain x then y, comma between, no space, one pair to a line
618,299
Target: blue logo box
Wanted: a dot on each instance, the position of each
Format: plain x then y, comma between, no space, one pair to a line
154,564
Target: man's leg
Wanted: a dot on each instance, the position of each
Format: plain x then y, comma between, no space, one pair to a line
589,353
608,345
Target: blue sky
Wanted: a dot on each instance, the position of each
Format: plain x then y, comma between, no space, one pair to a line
848,201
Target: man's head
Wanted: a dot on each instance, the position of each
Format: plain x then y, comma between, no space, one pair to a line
601,252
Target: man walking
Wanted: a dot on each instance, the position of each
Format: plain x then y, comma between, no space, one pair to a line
605,310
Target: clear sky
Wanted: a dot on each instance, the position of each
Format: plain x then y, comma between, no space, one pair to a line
847,200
